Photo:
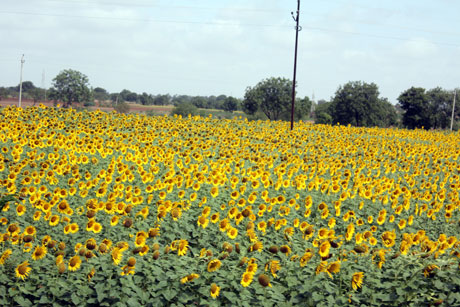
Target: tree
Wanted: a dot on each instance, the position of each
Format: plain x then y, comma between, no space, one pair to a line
230,104
199,102
100,94
323,112
440,102
416,106
71,86
358,104
146,99
185,109
26,86
37,94
122,107
272,96
162,100
4,92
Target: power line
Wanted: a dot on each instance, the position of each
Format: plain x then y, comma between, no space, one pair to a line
153,5
144,19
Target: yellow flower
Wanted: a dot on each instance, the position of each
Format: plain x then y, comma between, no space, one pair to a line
215,290
183,247
117,255
189,278
246,279
214,265
23,270
5,255
74,263
357,280
39,253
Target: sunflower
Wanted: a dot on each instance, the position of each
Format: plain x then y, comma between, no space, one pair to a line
429,270
39,253
215,290
264,280
183,247
74,263
5,255
203,221
117,255
334,267
23,270
214,265
357,280
246,279
20,210
127,270
274,266
232,233
54,220
305,258
189,278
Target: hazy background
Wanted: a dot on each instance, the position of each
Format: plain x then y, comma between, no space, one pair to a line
220,47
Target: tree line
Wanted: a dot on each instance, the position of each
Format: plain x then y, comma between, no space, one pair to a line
355,103
359,104
71,86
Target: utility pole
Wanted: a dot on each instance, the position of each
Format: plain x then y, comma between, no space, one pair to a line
297,29
20,82
453,110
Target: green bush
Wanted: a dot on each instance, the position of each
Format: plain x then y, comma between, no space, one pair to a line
185,109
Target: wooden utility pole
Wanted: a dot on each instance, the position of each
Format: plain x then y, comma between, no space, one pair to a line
297,29
453,111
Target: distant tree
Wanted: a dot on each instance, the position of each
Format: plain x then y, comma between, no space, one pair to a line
115,98
71,86
127,95
146,99
272,96
302,108
180,99
37,94
440,102
358,104
162,100
185,109
26,86
416,106
122,107
4,92
199,102
100,94
323,112
230,104
132,97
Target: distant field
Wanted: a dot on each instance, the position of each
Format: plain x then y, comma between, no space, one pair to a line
134,108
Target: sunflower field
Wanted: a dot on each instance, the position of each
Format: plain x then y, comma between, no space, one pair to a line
108,209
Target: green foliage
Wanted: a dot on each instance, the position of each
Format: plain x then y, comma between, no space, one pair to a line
302,109
416,106
37,94
71,86
323,118
100,94
185,109
122,107
358,104
146,99
272,96
230,104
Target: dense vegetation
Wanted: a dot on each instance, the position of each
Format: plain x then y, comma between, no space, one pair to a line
108,209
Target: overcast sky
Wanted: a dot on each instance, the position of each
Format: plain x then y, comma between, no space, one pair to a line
205,47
